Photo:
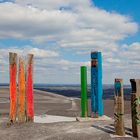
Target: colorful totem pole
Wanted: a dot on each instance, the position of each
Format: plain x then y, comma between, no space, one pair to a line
21,91
21,100
135,107
13,86
96,85
84,103
29,88
119,108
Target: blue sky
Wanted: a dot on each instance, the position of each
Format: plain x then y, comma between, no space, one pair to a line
125,7
62,38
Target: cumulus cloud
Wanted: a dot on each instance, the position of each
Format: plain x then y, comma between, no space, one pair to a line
28,22
55,4
39,53
82,24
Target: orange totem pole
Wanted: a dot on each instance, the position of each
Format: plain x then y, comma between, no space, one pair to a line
21,91
29,88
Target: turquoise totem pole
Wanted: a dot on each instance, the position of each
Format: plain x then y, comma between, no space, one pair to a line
96,85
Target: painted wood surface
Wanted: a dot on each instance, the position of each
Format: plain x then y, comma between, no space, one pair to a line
29,89
13,86
135,107
97,108
119,108
84,102
21,91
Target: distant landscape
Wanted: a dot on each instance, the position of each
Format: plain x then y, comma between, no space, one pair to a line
74,90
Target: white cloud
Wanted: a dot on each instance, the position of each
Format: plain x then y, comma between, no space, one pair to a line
41,53
82,25
112,60
23,51
28,22
54,4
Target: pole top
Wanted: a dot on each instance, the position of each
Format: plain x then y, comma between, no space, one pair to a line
95,52
95,55
118,80
135,84
12,58
83,67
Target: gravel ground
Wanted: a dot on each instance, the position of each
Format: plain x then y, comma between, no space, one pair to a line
53,104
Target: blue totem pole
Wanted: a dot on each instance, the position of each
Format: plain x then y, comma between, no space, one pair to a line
96,84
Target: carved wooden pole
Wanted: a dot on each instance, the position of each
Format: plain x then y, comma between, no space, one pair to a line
29,89
13,86
97,107
119,108
21,89
135,107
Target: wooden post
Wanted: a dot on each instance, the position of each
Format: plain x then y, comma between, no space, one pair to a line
29,89
13,86
135,107
84,104
119,108
97,107
21,91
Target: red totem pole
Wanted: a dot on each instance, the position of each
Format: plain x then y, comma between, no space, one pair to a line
13,86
